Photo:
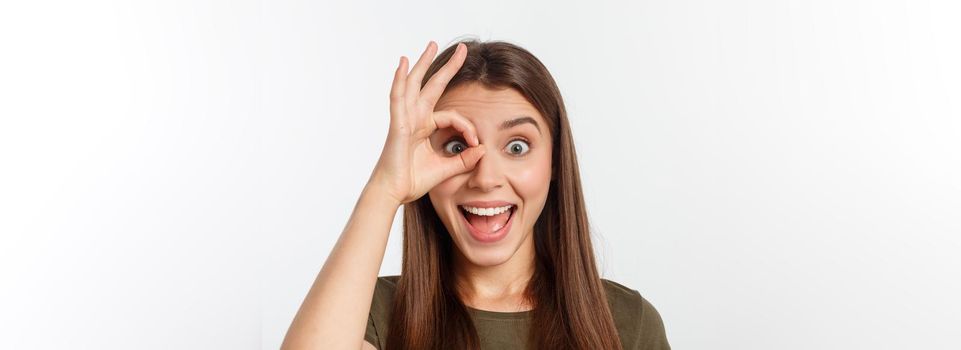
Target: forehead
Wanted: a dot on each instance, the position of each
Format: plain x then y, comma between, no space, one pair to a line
480,103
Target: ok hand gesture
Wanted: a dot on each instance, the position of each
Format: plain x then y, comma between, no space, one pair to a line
409,166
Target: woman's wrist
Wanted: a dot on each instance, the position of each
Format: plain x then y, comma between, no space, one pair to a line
377,193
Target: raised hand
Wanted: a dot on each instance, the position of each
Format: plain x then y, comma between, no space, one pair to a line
409,166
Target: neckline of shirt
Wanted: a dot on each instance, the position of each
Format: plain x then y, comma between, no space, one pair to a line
499,315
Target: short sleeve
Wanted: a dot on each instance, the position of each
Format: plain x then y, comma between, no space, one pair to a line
653,335
371,335
378,319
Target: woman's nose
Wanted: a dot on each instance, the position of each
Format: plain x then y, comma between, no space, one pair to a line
487,174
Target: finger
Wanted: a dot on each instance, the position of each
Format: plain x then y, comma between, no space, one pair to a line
437,83
400,75
465,161
449,118
417,73
397,89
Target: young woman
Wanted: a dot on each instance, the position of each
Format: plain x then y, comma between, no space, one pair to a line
497,250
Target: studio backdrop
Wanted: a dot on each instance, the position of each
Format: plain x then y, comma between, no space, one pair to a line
769,174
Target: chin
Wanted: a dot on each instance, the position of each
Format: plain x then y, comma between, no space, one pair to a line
487,256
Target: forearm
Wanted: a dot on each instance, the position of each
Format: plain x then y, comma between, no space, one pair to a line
334,312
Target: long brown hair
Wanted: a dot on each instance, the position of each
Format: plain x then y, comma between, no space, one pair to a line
570,305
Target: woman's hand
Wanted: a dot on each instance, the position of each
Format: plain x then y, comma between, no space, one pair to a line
409,166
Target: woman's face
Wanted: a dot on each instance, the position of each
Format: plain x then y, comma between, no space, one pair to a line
516,169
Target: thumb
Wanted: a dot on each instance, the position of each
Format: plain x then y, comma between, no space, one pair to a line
465,161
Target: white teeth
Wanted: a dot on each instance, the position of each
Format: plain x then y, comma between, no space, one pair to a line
487,211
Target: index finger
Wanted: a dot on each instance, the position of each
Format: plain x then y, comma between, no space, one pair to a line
437,83
418,71
451,118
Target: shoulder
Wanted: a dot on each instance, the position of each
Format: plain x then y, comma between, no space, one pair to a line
380,309
388,282
384,295
626,299
639,323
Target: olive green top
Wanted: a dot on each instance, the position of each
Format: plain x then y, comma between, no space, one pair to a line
638,324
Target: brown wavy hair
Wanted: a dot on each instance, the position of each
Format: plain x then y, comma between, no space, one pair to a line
570,306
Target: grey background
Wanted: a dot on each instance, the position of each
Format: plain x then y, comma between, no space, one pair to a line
769,174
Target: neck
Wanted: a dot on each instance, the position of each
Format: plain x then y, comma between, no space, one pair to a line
498,287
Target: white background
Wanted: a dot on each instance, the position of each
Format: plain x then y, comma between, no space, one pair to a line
769,174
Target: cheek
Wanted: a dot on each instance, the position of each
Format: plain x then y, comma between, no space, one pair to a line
445,188
532,179
442,193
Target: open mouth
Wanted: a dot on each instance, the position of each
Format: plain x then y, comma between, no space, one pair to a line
488,225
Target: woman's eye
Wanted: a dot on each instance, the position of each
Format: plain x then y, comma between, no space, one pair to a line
518,147
454,147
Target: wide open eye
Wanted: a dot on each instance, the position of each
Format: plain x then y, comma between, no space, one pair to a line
454,146
518,147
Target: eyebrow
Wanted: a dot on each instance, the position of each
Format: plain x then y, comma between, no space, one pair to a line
518,121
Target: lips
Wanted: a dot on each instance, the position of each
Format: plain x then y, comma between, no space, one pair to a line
485,237
487,204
